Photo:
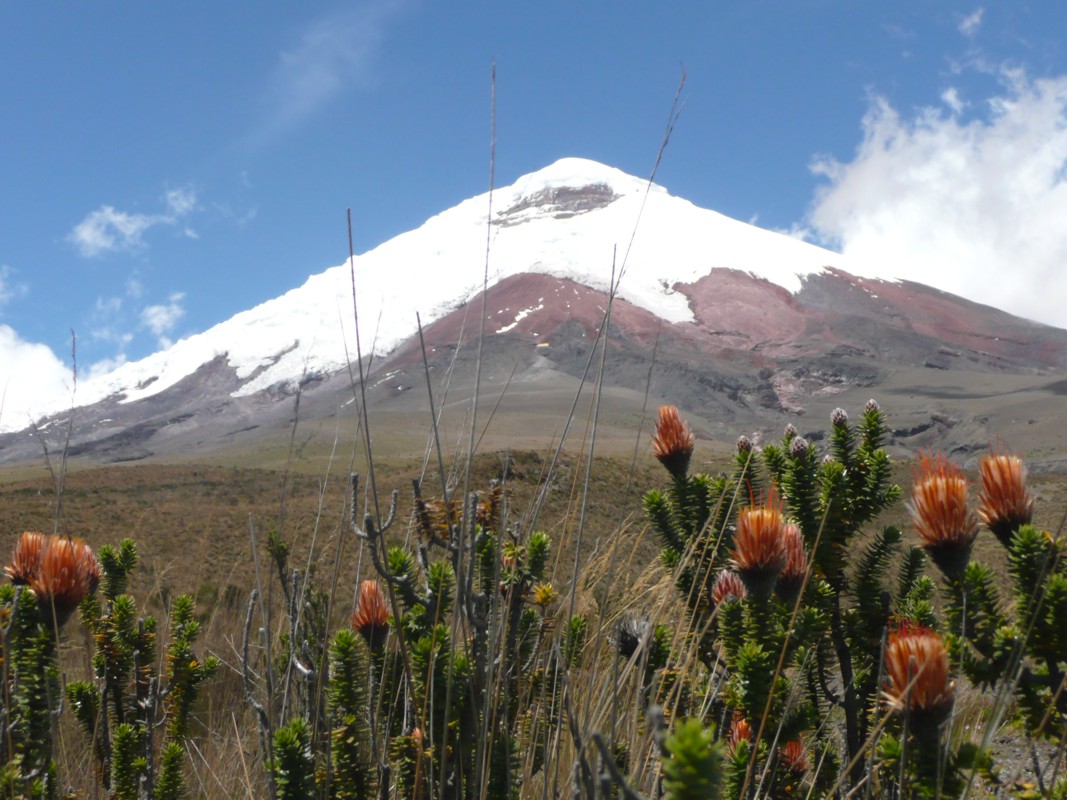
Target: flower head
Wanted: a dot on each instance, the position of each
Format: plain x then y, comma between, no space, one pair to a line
916,665
67,572
1003,503
372,614
793,756
796,562
673,441
740,731
727,588
939,510
759,553
26,558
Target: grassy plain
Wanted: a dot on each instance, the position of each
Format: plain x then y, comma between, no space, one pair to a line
196,526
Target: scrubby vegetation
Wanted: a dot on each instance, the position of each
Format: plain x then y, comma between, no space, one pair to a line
792,625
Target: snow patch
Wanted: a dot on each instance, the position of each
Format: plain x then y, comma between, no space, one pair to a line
520,317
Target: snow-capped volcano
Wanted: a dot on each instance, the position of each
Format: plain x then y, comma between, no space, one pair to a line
569,220
743,324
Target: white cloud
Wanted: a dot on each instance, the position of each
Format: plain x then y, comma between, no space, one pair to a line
107,325
976,208
970,24
951,98
134,287
334,53
33,381
107,305
180,201
104,366
108,230
9,289
161,319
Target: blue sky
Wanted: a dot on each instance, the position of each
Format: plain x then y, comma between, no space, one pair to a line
166,165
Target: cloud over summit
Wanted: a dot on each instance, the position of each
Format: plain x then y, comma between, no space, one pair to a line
973,204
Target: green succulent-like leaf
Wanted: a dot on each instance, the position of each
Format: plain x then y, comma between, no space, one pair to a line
693,766
347,706
171,782
661,516
918,604
294,766
868,585
127,761
538,548
911,569
573,640
116,566
441,582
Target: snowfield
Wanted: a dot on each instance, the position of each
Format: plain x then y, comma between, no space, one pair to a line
575,219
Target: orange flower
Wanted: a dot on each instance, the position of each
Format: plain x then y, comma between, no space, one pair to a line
372,614
796,563
67,572
673,441
1004,504
793,756
728,586
26,558
939,510
740,731
916,665
759,553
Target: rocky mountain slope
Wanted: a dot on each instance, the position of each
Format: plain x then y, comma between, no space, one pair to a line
744,328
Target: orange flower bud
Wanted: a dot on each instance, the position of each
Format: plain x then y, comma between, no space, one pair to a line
759,553
1003,503
372,614
796,563
727,587
673,441
942,518
66,572
26,558
740,731
916,665
793,756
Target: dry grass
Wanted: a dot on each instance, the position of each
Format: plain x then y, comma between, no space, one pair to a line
192,528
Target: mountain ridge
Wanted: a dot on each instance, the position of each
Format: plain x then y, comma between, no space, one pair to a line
745,326
288,339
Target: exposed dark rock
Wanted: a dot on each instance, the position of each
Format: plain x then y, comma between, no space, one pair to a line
558,202
951,373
